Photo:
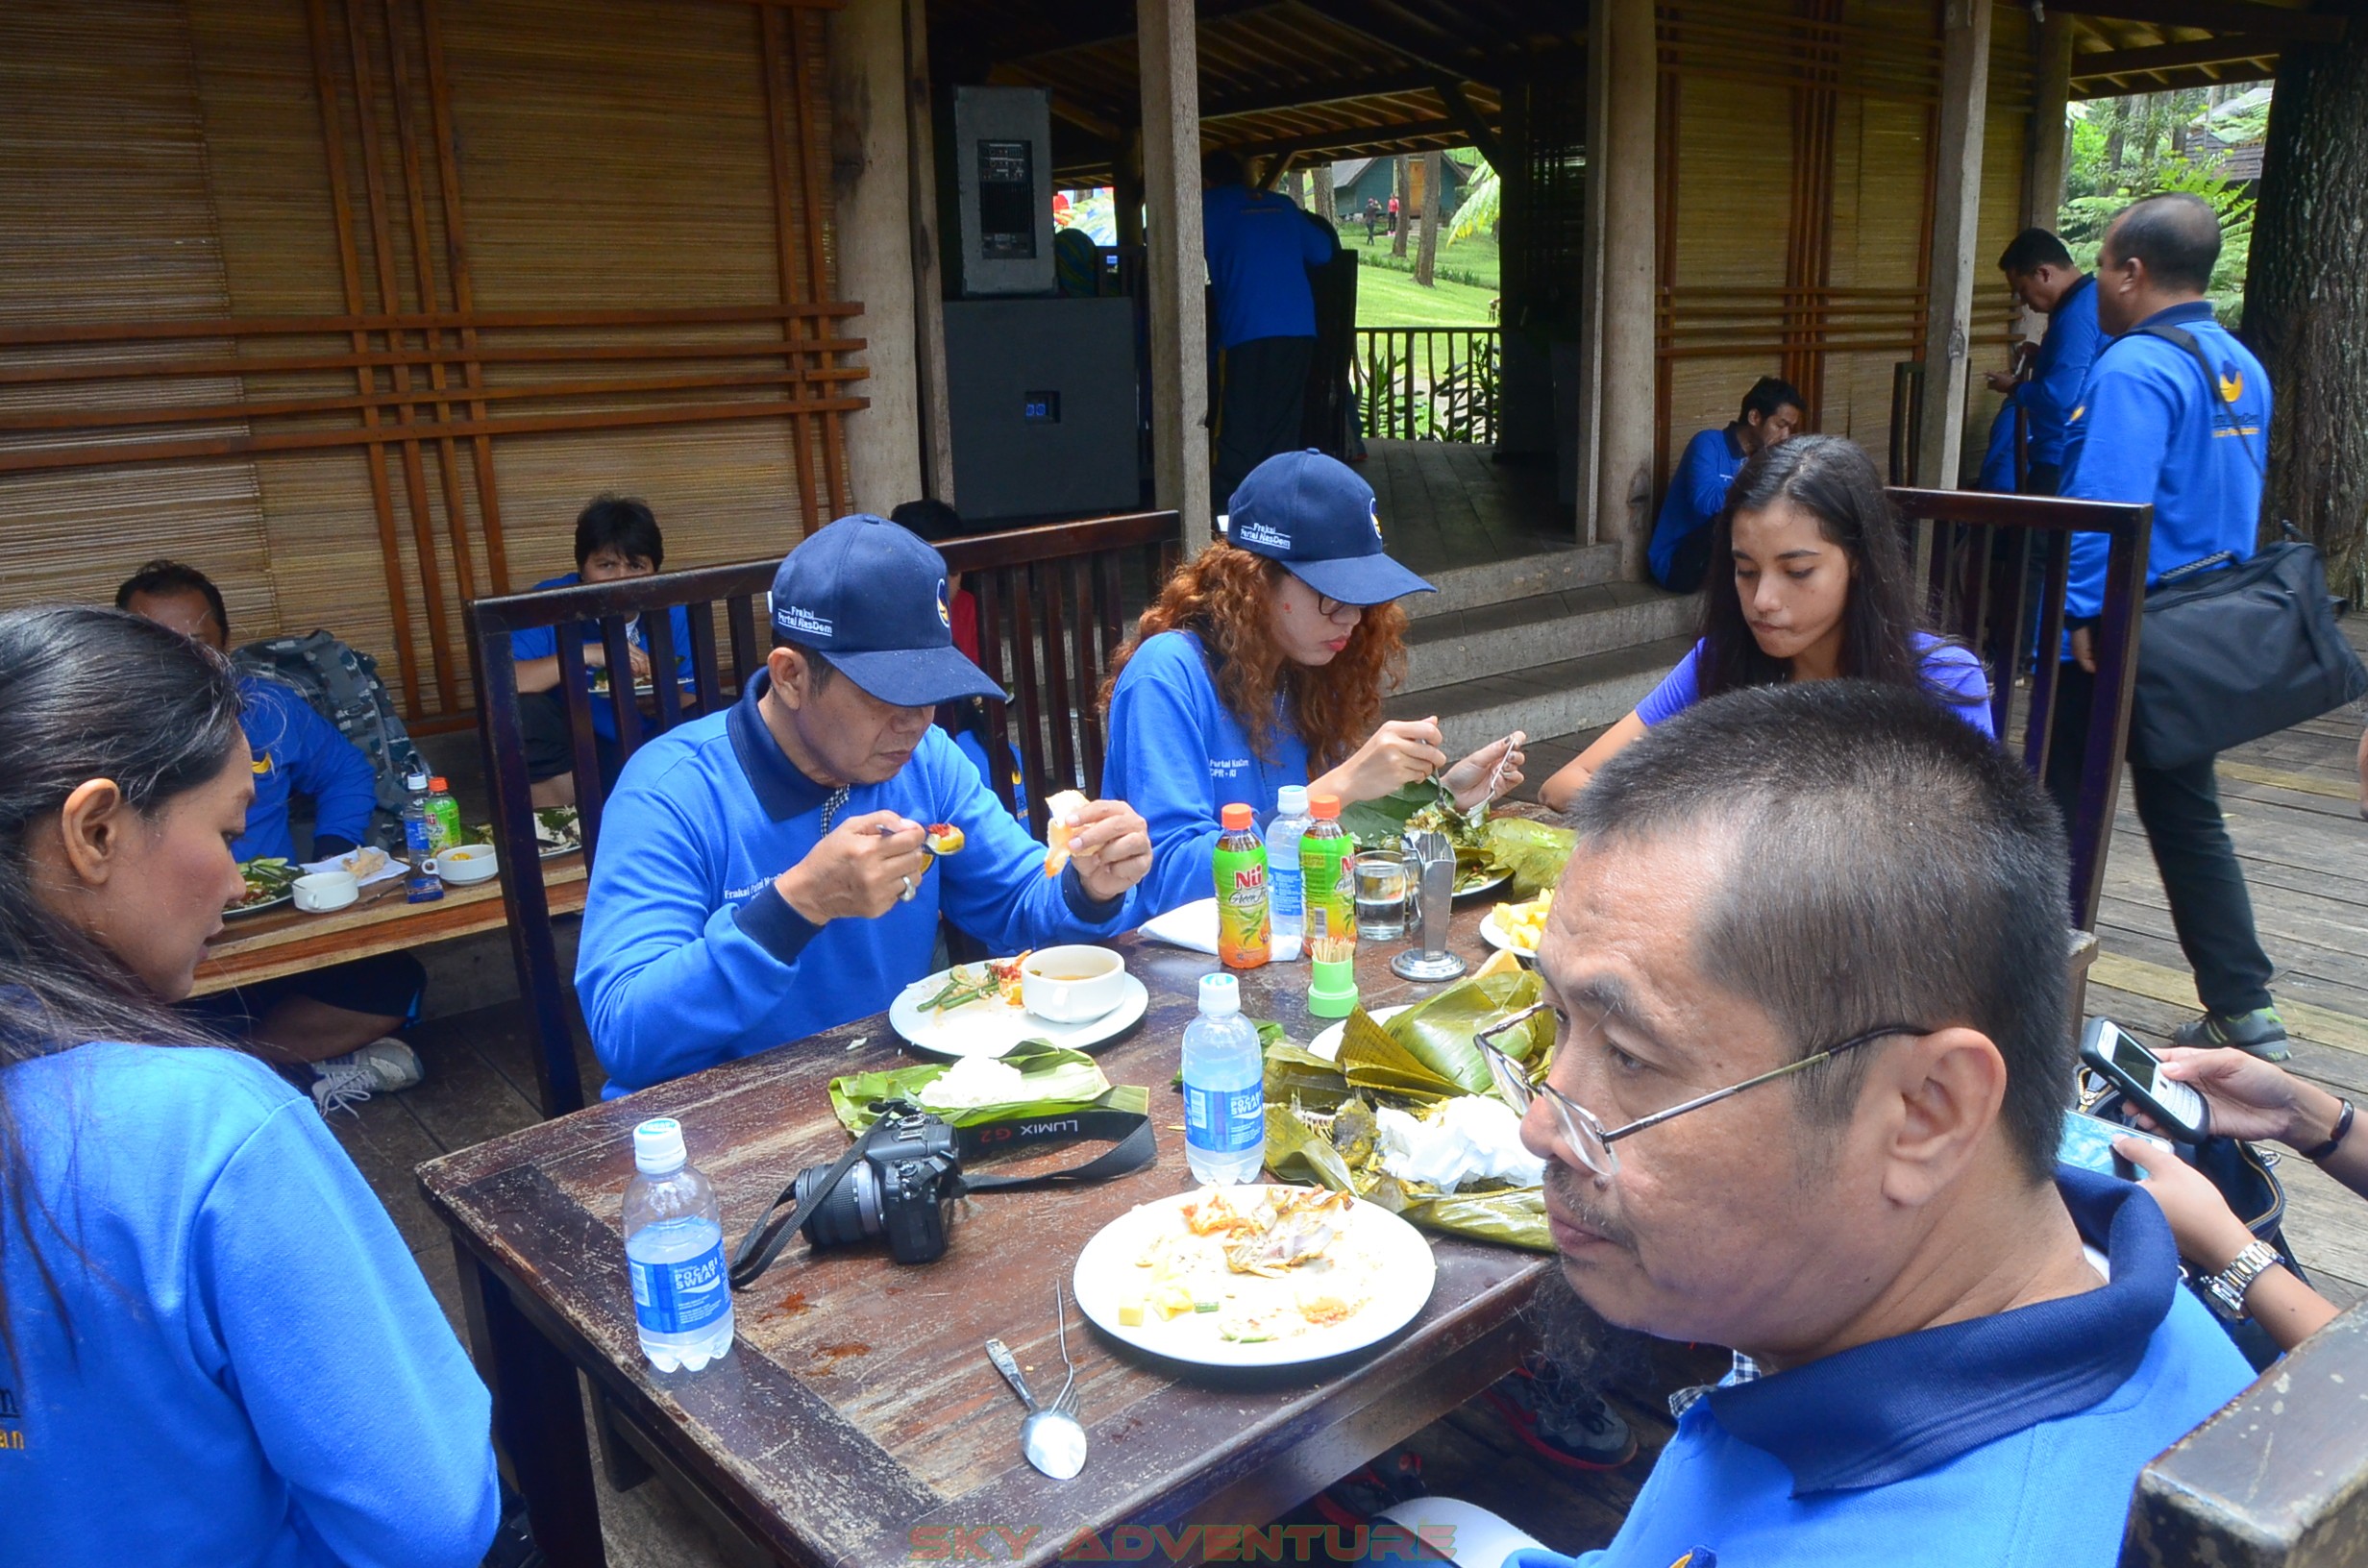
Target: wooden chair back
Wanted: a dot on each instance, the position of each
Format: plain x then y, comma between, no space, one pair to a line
1053,610
1996,568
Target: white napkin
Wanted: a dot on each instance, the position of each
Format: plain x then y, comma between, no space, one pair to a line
1192,927
341,863
1474,1136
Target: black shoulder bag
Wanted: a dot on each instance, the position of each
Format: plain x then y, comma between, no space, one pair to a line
2233,651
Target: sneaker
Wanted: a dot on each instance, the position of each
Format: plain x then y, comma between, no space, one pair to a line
1359,1499
1564,1425
2260,1032
381,1066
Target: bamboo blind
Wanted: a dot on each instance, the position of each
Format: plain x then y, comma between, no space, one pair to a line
1795,185
355,303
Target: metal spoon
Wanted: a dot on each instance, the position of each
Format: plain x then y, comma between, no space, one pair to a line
1051,1437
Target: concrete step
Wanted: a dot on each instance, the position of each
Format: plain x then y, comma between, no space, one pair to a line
1517,576
1522,634
1546,699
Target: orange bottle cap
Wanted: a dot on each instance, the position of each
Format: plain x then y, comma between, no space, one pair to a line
1236,818
437,784
1326,807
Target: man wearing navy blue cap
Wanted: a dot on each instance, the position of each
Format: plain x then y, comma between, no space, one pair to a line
762,872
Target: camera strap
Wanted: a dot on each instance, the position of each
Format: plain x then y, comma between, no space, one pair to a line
1133,1146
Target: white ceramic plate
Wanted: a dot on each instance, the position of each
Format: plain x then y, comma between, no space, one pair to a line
1107,1275
257,908
1499,880
992,1028
1328,1041
1494,935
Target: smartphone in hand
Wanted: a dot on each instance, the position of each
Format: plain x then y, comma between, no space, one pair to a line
2124,1062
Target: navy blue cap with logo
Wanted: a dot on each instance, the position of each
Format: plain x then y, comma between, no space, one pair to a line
1313,515
872,598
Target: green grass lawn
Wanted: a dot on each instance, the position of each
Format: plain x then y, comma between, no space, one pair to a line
1394,299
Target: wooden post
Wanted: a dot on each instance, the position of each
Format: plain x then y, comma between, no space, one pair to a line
873,170
1629,78
1126,186
1170,73
1964,99
2051,92
936,415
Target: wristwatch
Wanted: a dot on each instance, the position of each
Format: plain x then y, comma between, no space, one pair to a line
2226,1289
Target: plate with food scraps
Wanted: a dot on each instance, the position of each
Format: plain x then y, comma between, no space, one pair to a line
1254,1276
1328,1041
557,831
1472,883
974,1010
270,883
1517,927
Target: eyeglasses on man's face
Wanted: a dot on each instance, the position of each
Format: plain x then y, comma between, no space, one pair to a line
1583,1131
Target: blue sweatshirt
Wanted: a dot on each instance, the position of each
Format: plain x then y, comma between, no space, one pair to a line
251,1369
1697,494
2065,353
542,642
2007,1441
1952,674
2146,429
298,751
691,956
1259,246
1179,755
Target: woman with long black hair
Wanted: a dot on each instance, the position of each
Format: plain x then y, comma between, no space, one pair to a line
214,1346
1815,585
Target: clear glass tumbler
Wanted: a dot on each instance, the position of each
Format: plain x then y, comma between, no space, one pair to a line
1382,885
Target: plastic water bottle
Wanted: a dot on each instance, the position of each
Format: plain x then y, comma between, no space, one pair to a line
420,885
1225,1088
1286,898
673,1248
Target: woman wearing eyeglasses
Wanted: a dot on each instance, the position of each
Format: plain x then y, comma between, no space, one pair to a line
1262,664
1816,586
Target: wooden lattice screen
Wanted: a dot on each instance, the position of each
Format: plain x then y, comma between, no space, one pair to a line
353,302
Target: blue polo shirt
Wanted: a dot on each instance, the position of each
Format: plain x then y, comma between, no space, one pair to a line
1952,674
2006,1441
542,642
1259,246
243,1364
2146,429
298,752
2065,355
690,955
1179,755
1697,494
1998,453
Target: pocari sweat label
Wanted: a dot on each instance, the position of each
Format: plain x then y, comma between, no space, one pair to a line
1225,1120
679,1297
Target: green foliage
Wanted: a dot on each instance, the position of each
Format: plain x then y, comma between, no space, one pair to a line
2102,175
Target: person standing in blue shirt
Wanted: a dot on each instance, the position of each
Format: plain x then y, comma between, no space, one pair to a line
2039,270
616,537
215,1345
763,872
1259,247
1263,664
2153,424
338,1022
1808,970
1817,586
1680,552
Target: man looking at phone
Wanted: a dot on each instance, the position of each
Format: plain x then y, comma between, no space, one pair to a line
763,872
1811,963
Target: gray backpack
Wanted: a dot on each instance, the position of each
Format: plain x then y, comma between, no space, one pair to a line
343,686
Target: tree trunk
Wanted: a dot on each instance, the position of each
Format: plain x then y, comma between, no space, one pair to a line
1426,252
1399,172
1296,190
2117,140
2306,302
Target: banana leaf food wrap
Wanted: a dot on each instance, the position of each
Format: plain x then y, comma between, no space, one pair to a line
1321,1115
1486,846
1058,1082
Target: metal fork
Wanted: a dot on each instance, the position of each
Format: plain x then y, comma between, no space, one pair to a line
1066,1400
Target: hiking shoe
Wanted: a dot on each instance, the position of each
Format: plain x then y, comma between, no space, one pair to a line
1359,1499
381,1066
2260,1032
1564,1424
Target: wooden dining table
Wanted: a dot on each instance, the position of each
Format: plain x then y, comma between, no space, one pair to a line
856,1419
271,944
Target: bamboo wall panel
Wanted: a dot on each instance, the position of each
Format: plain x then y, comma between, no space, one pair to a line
466,265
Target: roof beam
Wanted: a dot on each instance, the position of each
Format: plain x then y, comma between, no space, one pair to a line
2164,57
1462,111
1113,24
2228,73
1271,99
1426,45
2220,15
1348,135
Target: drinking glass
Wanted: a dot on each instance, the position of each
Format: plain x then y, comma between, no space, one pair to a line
1381,894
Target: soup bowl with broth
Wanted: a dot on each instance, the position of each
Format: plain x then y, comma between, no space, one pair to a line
1073,985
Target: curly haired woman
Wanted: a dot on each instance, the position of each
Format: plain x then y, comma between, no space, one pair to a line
1263,664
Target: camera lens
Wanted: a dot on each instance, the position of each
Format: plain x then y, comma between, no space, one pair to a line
846,1214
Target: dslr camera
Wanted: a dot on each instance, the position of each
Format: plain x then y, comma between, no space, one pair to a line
901,1185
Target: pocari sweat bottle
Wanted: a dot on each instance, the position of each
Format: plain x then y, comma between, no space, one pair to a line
1285,896
420,885
1225,1088
673,1248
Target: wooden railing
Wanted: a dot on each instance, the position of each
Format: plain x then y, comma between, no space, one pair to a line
1427,383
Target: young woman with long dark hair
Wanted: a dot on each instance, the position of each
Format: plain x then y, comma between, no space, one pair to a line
216,1346
1816,586
1263,664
